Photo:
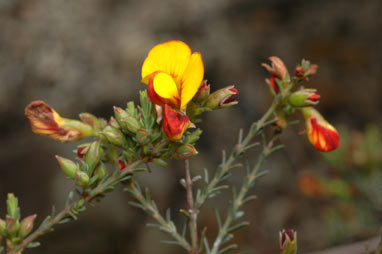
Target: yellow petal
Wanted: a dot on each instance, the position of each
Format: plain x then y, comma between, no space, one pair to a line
191,79
171,57
165,87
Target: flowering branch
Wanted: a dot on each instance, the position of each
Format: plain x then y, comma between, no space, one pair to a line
74,207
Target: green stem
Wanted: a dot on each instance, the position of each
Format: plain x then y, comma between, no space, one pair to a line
239,149
48,224
151,209
239,199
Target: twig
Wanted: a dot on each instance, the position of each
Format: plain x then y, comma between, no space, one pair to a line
239,199
146,204
48,224
191,209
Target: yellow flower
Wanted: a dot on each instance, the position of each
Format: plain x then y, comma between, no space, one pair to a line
45,121
173,74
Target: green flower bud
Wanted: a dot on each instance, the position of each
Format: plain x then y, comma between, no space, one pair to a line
203,92
223,98
142,136
159,162
82,178
12,226
89,119
101,171
67,166
114,136
13,209
304,98
2,227
184,152
113,122
93,156
26,225
126,120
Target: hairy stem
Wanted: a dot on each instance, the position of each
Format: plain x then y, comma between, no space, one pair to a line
48,224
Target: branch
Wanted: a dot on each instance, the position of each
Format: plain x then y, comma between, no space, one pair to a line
49,222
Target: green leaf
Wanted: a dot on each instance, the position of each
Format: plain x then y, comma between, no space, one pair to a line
33,245
228,248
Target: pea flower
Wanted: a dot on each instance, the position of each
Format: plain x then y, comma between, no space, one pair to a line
45,121
173,74
174,123
320,133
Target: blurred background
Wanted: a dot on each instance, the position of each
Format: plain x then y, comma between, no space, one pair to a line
86,55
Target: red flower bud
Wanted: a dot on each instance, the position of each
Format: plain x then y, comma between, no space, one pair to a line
174,123
305,70
222,98
320,133
288,241
278,68
304,98
122,165
273,84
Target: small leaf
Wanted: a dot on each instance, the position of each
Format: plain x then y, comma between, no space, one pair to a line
218,218
238,226
228,248
33,245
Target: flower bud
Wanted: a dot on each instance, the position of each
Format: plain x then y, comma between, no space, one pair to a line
82,178
305,70
143,136
288,241
159,162
93,156
89,119
114,136
26,225
45,121
320,133
203,92
281,122
174,123
273,84
101,171
2,227
12,226
126,120
223,98
82,150
122,165
13,209
114,123
67,166
304,98
184,152
278,68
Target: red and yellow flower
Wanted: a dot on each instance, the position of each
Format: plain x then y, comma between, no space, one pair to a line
320,133
173,74
45,121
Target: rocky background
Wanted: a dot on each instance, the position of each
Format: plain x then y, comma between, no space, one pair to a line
86,55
